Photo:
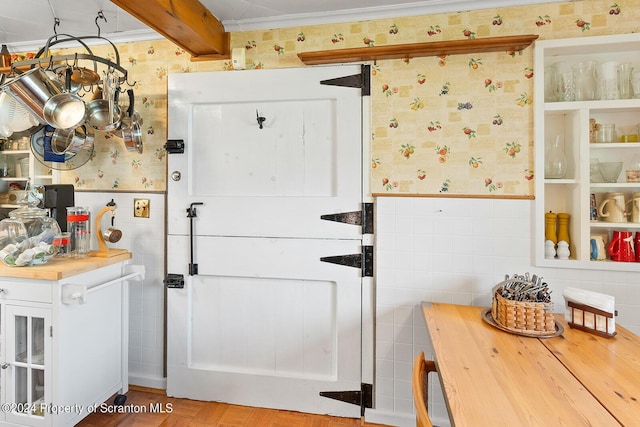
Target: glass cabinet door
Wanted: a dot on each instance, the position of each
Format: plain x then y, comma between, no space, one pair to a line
28,340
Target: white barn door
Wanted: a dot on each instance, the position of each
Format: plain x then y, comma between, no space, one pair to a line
261,320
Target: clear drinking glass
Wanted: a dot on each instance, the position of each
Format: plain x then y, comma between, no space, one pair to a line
568,86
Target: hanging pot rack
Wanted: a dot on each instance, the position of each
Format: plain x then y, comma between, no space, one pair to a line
32,86
45,60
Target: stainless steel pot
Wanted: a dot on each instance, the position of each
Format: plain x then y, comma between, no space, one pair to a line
98,115
104,114
46,100
130,127
32,89
69,142
65,110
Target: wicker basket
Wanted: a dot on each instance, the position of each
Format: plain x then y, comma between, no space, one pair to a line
534,318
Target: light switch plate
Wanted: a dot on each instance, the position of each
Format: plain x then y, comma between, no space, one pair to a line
141,208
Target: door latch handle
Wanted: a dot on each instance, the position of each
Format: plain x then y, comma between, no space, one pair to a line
5,365
191,214
174,146
174,281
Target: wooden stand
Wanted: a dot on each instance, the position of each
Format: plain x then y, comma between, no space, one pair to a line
103,251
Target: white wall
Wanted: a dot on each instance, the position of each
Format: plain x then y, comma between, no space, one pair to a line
145,239
455,251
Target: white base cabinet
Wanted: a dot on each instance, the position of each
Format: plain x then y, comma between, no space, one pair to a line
26,362
571,121
63,345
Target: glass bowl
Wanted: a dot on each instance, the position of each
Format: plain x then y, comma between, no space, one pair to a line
610,171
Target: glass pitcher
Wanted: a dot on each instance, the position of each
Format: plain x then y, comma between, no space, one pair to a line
555,161
624,80
585,80
607,74
552,87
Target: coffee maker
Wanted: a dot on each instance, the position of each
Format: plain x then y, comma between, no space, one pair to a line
57,198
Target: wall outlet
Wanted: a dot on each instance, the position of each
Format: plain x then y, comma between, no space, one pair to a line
141,208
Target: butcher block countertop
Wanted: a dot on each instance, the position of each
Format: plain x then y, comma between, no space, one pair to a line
492,377
60,268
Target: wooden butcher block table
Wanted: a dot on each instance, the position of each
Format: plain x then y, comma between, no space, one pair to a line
492,377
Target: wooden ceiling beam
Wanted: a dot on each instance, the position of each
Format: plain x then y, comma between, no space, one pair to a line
187,23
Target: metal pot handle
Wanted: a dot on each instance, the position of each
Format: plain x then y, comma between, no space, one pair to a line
130,110
67,79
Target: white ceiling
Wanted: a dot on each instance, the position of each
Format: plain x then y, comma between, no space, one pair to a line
27,24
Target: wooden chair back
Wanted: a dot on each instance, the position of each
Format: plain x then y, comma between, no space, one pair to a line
420,383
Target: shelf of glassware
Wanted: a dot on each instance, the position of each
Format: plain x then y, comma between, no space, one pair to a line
559,194
571,121
42,174
37,174
625,153
572,194
12,177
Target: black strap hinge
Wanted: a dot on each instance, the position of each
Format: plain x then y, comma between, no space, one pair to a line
362,80
363,217
363,261
362,397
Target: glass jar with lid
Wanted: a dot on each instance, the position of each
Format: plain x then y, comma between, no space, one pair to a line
32,243
12,233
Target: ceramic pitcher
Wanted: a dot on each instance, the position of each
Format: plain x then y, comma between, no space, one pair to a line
621,247
633,208
598,251
612,208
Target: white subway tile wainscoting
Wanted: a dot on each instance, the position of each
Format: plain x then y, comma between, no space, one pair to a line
454,250
145,239
451,250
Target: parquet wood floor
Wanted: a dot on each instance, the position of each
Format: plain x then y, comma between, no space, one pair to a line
193,413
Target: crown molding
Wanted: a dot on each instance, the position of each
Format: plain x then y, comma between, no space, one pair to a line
429,7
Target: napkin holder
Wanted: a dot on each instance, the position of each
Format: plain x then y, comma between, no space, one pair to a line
589,311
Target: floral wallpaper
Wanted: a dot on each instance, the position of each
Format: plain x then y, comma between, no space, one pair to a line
449,125
453,124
